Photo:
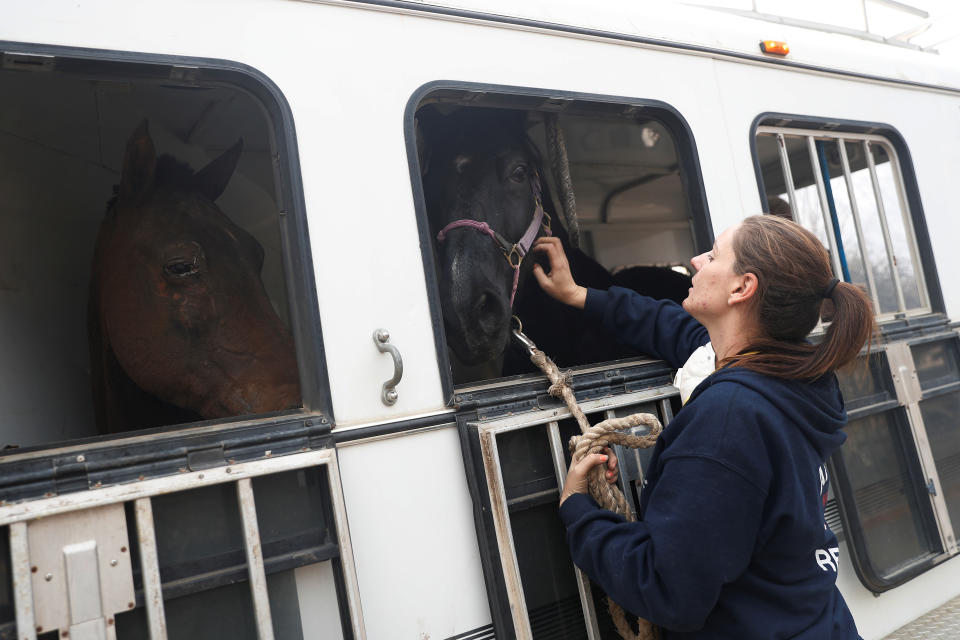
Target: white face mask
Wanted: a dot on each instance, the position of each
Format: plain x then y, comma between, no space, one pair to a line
698,366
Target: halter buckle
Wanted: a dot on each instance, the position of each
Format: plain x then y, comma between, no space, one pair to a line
546,222
514,254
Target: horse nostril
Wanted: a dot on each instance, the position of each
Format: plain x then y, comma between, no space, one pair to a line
490,312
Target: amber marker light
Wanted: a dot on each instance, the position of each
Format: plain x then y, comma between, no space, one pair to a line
775,47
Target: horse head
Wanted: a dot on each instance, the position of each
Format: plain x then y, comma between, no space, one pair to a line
177,303
482,187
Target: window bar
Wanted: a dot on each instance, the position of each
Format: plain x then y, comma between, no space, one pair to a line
855,210
824,207
508,551
666,411
256,573
908,225
791,192
351,584
583,583
622,452
787,174
891,258
150,568
22,582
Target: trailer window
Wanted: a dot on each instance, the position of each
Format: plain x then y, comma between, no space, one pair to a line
896,485
847,189
152,263
164,413
626,174
897,474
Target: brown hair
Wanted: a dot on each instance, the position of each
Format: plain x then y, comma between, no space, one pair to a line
793,273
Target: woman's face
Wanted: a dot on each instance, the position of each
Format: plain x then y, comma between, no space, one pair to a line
714,280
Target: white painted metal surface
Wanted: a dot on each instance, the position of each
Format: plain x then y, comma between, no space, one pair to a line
83,573
317,597
412,530
348,74
86,610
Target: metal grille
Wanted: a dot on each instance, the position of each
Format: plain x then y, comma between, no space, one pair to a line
26,521
524,510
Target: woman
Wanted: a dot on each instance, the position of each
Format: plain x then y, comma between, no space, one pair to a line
732,541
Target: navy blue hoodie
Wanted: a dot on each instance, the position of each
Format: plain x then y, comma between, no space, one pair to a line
732,541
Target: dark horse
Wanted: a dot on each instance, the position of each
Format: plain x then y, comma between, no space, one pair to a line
482,179
180,325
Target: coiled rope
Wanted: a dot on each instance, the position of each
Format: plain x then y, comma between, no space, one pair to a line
593,440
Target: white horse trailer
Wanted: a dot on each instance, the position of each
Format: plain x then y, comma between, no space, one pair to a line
420,507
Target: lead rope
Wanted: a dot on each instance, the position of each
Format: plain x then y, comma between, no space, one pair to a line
560,168
593,440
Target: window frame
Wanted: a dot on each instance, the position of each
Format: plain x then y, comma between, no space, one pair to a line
53,468
549,100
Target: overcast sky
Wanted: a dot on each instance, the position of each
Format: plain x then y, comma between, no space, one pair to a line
939,28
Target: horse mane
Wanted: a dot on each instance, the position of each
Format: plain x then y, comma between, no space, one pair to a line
172,173
169,173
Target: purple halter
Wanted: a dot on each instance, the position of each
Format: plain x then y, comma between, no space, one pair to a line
513,252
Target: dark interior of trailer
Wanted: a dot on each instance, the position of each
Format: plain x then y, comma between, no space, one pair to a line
69,129
621,188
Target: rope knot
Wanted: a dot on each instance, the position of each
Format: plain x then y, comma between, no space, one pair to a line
593,440
564,381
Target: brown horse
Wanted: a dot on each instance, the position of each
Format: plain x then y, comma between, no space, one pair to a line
180,324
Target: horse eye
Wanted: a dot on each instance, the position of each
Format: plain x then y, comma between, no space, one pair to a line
519,173
180,268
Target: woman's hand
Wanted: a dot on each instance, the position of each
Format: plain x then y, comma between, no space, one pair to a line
559,283
576,481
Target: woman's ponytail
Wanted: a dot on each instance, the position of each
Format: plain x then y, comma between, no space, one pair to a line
794,283
851,326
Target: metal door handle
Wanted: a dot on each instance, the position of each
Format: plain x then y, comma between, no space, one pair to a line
381,338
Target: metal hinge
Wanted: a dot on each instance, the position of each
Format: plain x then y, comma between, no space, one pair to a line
904,373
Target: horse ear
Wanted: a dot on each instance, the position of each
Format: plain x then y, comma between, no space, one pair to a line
213,178
139,163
